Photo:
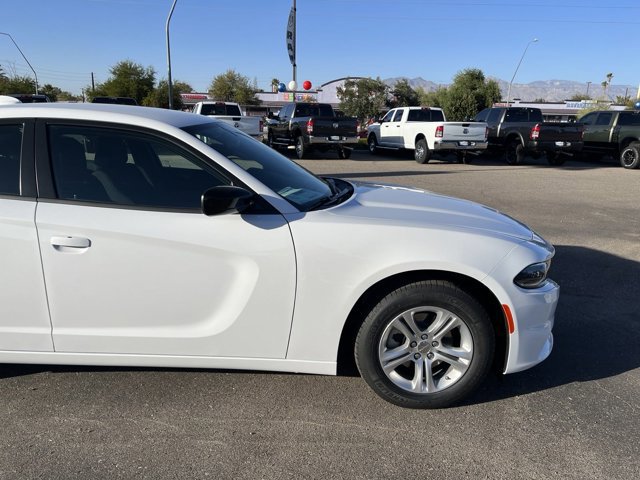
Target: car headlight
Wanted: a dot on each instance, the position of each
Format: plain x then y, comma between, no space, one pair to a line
533,276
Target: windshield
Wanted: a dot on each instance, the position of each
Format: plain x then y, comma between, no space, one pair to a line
288,179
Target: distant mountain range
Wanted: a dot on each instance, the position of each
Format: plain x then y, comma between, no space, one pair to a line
549,90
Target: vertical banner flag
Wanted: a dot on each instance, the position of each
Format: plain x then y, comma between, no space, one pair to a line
291,29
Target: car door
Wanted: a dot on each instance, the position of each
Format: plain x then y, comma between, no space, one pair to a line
24,317
282,126
600,131
387,129
133,267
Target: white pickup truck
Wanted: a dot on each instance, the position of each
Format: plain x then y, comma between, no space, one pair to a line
425,130
230,113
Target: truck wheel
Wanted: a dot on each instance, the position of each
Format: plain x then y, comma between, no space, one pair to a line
422,154
300,147
425,345
270,140
630,156
372,142
555,159
344,153
514,152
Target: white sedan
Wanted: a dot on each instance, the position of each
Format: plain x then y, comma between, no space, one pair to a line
135,236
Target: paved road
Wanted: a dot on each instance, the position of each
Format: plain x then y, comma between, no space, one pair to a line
576,416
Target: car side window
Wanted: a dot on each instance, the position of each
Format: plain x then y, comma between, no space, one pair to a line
111,166
588,119
482,116
388,116
494,115
10,147
398,116
629,119
604,118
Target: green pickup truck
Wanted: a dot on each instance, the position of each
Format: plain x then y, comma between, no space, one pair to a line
615,133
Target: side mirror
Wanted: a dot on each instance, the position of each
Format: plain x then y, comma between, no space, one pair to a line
226,199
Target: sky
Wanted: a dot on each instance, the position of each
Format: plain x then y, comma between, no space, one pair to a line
580,40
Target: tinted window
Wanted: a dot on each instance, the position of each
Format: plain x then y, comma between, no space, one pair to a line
422,115
516,115
113,166
629,118
10,146
313,110
604,118
388,116
286,111
535,115
398,116
482,116
220,109
494,115
437,116
589,119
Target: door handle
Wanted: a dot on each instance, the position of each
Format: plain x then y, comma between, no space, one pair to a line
60,243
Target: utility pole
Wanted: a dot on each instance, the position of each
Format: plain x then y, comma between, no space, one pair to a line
93,83
294,40
588,85
169,57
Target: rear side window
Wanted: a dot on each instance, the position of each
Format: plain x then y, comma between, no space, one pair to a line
515,115
220,109
629,119
482,116
604,118
494,115
10,147
535,115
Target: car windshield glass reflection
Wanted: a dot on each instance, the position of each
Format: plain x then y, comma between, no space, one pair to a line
285,177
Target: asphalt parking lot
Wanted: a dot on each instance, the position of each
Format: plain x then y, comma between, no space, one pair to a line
576,416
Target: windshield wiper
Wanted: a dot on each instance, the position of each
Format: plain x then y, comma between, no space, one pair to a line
337,195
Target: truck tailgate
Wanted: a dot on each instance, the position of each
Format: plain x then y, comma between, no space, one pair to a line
334,126
560,132
248,125
461,131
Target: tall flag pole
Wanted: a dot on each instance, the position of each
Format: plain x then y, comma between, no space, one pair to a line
291,38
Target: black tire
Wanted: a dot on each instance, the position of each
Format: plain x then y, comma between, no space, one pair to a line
630,156
420,301
422,154
344,153
270,141
463,157
555,159
514,152
372,143
301,148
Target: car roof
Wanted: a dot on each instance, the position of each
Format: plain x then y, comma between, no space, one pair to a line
134,115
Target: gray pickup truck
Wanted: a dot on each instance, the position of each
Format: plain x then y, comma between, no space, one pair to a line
615,133
308,126
518,131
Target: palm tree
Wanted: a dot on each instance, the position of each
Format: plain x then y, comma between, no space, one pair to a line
274,84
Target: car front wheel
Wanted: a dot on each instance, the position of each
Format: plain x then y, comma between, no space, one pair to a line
428,344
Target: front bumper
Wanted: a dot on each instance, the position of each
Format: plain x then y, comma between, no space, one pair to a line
458,145
533,314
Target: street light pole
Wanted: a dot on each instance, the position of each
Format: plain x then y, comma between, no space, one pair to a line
25,58
588,85
514,73
169,57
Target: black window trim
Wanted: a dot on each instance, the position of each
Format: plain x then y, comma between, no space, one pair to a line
43,174
27,179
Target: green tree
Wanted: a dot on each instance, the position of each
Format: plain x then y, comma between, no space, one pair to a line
17,84
436,98
404,95
159,97
128,79
579,96
363,98
469,93
233,87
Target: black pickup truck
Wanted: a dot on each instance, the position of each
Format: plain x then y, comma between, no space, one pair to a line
615,133
308,126
518,131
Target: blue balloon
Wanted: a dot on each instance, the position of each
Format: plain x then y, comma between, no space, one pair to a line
282,87
637,104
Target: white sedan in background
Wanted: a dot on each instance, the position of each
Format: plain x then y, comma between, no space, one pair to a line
135,236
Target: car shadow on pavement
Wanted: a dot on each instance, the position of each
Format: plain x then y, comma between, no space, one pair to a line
597,326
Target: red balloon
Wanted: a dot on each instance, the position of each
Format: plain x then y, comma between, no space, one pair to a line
306,85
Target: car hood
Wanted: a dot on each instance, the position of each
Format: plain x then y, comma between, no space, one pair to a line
415,207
